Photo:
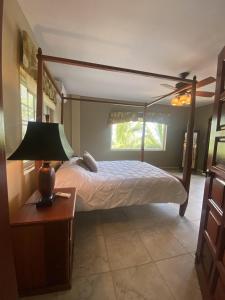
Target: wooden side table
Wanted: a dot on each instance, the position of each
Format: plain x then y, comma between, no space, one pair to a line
43,244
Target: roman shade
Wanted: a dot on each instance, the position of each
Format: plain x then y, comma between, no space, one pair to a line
157,117
117,117
29,64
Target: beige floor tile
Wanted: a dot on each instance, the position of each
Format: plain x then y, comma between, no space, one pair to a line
193,211
115,221
152,216
90,256
125,250
128,232
196,223
140,283
187,234
161,244
93,287
136,210
87,224
179,273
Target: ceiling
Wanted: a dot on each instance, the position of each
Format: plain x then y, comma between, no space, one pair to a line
167,37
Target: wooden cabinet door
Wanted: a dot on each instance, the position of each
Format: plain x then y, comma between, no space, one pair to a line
210,256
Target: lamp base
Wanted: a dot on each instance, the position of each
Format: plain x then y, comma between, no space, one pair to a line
46,182
45,202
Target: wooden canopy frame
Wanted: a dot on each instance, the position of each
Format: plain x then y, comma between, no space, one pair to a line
192,85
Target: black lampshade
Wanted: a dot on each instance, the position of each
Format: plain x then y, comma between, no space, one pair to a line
43,141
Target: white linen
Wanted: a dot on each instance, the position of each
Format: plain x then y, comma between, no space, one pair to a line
119,183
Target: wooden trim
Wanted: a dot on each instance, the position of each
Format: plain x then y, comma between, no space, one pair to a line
143,135
215,126
85,64
188,153
62,108
212,280
8,286
39,111
39,105
207,145
104,101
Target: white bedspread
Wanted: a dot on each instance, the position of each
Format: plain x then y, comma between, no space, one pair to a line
119,183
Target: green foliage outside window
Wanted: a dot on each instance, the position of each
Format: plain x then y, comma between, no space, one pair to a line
27,107
128,136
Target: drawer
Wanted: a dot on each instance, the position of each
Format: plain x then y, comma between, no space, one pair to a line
57,252
207,260
223,247
212,227
217,193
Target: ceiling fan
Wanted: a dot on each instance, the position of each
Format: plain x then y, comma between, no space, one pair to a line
183,94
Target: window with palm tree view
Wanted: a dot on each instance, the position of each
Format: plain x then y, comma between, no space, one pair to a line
128,135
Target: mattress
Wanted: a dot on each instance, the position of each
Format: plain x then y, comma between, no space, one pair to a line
119,183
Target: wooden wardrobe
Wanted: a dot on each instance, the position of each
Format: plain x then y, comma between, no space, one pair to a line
210,256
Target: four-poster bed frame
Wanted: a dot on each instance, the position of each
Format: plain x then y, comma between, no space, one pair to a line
190,84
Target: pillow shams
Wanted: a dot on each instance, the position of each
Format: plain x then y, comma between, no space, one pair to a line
90,161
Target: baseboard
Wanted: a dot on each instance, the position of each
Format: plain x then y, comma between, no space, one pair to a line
170,168
199,171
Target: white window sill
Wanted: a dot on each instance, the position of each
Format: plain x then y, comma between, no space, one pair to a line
28,167
135,150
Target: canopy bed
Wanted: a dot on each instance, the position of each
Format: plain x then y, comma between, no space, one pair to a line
119,183
188,85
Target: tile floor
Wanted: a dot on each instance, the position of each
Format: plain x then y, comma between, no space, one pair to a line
136,253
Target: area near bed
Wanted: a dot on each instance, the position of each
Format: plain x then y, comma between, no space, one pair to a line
119,183
112,150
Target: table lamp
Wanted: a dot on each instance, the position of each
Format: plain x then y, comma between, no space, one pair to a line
45,142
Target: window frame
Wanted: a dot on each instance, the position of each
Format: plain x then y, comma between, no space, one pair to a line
29,92
163,149
28,165
48,106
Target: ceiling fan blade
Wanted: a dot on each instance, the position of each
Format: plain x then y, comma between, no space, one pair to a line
201,83
204,94
205,81
168,86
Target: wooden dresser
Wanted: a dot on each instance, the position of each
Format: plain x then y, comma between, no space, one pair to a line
43,244
210,256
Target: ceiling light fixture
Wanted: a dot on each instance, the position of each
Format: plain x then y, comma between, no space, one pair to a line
181,100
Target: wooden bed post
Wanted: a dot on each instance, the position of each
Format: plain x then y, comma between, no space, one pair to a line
39,111
39,106
190,84
189,148
62,108
143,134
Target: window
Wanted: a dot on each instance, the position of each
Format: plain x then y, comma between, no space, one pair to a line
48,112
128,135
28,113
28,107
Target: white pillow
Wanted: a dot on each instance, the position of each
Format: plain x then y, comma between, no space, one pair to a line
80,162
90,161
